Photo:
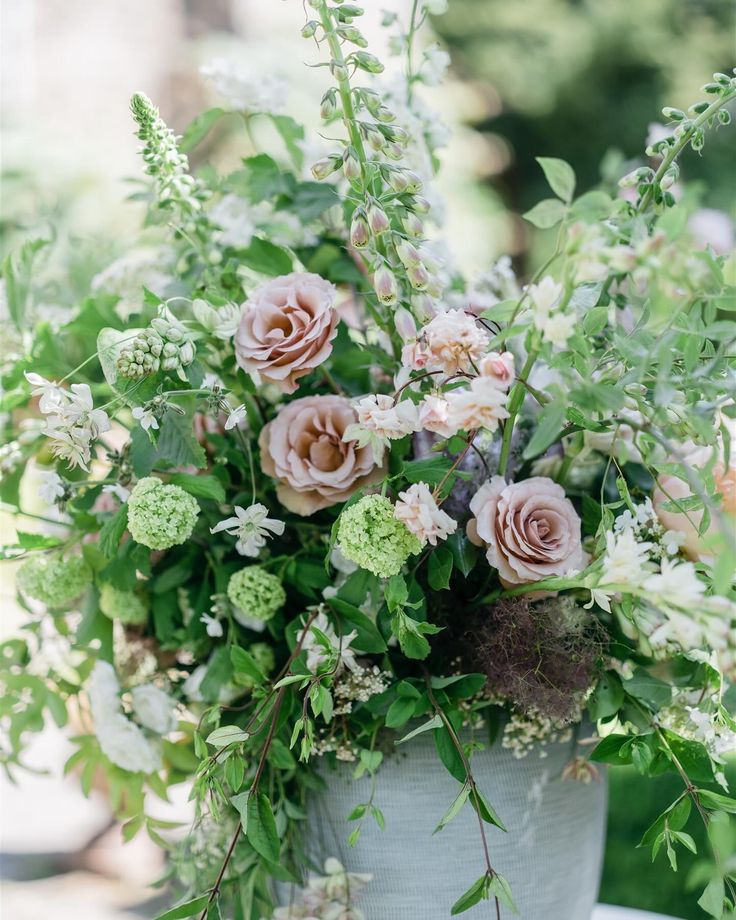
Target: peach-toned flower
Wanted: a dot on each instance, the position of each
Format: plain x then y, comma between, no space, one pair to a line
530,529
418,511
499,367
380,420
481,405
695,545
303,449
451,342
287,328
434,415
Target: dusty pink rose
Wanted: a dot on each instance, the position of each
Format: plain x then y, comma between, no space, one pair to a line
287,328
303,449
668,487
530,529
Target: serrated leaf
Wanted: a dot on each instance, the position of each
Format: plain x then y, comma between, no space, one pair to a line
560,176
547,213
199,486
31,541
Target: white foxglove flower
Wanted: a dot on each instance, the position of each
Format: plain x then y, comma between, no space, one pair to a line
146,418
418,511
212,625
236,417
153,708
252,526
51,488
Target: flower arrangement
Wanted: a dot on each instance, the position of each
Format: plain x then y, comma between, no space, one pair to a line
275,445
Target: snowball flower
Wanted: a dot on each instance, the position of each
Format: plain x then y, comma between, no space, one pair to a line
451,342
380,420
417,509
256,595
251,526
160,516
153,708
55,580
370,535
125,606
51,488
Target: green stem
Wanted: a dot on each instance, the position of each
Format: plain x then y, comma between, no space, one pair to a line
674,152
515,402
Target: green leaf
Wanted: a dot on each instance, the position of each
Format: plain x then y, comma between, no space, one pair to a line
717,801
400,711
547,213
595,320
464,553
30,541
486,811
548,427
711,900
291,133
454,809
434,722
431,470
592,206
314,198
369,638
261,179
227,734
607,750
607,697
245,665
440,568
260,827
266,258
560,176
643,686
449,754
477,892
177,444
199,486
199,127
112,531
500,888
190,909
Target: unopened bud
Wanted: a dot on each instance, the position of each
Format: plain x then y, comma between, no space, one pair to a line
398,180
413,225
373,136
351,34
408,253
384,284
393,151
405,325
420,205
328,106
366,61
325,167
418,277
415,182
351,164
310,28
384,114
378,219
359,231
673,114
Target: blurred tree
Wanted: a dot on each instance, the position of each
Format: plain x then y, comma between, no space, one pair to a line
577,78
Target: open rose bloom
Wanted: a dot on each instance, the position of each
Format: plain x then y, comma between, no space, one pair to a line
318,504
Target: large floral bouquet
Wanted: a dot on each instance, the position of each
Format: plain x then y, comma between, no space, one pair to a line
310,490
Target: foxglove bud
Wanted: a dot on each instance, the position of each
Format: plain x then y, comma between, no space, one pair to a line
420,205
397,135
668,179
377,218
351,164
673,114
371,100
328,106
418,277
413,225
405,325
325,167
408,253
310,28
384,284
373,136
393,151
351,34
384,114
398,180
350,11
359,231
366,61
415,182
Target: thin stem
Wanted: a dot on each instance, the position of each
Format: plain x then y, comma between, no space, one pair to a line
515,402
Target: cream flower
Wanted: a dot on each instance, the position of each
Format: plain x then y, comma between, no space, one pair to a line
481,405
287,328
252,526
380,420
434,415
303,448
451,342
318,654
530,529
417,509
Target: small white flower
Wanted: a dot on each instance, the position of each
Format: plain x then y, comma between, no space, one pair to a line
246,91
676,583
418,511
146,418
544,297
153,708
51,488
236,417
380,420
318,655
120,492
252,526
213,626
626,560
558,328
435,65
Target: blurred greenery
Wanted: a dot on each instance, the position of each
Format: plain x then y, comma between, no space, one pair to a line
629,876
579,78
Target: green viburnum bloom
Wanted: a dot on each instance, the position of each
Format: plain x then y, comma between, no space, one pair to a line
160,516
369,535
125,606
256,595
55,580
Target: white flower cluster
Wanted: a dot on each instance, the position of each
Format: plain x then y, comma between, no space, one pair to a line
554,323
526,732
326,897
121,740
238,221
358,686
72,422
243,90
323,646
692,717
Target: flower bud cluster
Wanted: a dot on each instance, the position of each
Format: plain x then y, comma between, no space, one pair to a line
165,345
